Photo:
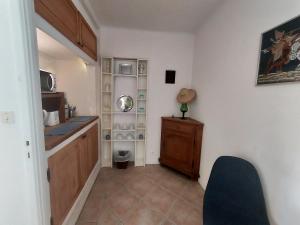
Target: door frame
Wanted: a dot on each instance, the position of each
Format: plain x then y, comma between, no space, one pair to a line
33,104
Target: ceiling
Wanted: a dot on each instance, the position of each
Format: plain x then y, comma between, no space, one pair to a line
161,15
52,48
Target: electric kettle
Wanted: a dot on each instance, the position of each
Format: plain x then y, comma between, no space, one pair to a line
50,118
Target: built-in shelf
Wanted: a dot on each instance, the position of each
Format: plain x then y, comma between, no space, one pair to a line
113,68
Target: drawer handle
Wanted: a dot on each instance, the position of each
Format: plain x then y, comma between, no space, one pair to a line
83,136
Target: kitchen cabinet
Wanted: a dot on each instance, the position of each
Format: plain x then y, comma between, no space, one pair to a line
92,146
68,172
65,181
88,40
64,16
61,14
181,145
88,153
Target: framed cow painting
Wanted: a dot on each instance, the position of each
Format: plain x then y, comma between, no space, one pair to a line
280,54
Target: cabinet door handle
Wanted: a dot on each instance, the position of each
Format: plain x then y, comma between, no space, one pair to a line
83,136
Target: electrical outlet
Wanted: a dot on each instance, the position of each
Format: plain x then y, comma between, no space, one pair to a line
7,117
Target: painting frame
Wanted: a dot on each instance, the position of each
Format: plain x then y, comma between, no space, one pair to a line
279,56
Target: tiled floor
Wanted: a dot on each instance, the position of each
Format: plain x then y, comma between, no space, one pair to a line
151,195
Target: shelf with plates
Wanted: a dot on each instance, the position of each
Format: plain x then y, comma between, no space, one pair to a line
116,81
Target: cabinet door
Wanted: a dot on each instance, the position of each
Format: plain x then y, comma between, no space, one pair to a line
88,39
65,182
61,14
177,150
84,174
92,148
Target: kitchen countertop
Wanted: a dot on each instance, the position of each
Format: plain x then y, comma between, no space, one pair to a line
53,140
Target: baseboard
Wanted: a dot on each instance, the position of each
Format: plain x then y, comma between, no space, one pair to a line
75,211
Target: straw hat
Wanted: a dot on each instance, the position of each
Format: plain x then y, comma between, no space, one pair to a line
186,95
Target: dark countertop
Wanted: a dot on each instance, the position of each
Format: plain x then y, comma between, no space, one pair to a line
54,140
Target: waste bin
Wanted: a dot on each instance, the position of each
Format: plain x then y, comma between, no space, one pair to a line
121,159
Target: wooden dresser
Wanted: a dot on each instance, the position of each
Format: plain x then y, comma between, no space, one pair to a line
180,146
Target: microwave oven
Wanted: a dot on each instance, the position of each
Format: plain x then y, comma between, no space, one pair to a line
48,82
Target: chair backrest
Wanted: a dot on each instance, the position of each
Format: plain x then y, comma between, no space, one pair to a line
234,194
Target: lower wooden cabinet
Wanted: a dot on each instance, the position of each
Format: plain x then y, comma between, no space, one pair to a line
69,170
92,143
181,145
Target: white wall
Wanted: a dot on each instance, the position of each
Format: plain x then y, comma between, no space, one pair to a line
18,193
76,79
164,51
258,123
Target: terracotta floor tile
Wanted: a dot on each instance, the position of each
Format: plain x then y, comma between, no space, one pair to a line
145,216
159,199
140,186
89,215
105,188
108,218
122,204
168,222
193,193
86,223
173,184
183,213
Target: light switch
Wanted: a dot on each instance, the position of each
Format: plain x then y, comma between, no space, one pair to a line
7,117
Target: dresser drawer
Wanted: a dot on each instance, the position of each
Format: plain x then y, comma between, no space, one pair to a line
181,127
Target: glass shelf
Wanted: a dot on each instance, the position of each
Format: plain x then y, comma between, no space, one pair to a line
125,75
123,140
124,113
123,130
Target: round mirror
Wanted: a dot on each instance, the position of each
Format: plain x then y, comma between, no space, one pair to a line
125,103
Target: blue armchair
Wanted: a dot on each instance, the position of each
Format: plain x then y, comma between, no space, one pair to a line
234,194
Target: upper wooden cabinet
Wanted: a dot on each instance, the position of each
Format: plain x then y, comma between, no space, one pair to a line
88,39
64,16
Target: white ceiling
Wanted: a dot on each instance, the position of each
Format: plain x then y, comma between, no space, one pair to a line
162,15
52,48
